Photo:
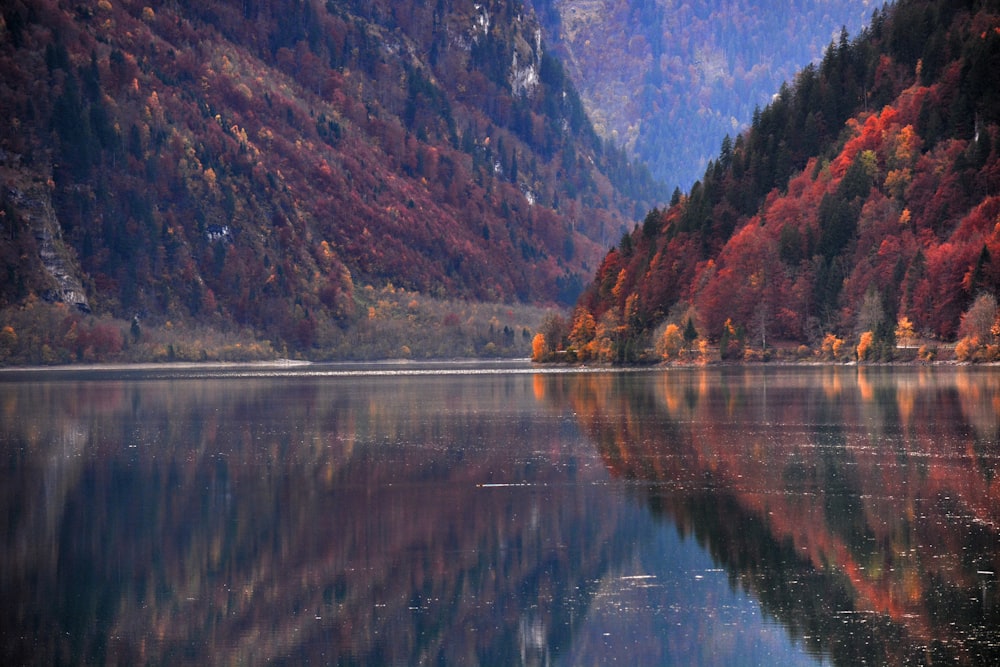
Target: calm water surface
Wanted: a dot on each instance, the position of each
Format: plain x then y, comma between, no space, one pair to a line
500,516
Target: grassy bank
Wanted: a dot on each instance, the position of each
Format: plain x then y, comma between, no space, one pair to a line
389,323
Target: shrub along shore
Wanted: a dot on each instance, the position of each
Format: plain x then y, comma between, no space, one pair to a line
391,323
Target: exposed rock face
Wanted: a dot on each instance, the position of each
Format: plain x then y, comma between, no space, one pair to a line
524,71
32,203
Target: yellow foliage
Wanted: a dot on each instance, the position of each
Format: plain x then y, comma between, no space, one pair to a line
619,285
966,348
832,347
906,145
539,348
869,161
865,344
904,331
703,350
603,348
670,342
582,334
631,307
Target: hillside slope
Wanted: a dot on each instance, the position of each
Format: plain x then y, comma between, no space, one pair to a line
252,164
863,200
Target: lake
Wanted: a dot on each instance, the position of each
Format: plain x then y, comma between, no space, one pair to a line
403,514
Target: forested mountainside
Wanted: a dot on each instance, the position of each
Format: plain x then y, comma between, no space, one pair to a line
255,164
668,80
862,206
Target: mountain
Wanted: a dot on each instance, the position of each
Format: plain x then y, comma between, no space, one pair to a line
861,206
268,167
669,80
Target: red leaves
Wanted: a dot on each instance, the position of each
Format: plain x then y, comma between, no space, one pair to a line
917,243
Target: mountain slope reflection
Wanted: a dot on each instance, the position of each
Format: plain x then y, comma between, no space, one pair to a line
861,506
668,517
333,522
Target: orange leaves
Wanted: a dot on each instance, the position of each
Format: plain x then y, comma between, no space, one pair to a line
867,137
670,342
865,345
905,146
539,348
894,144
582,333
832,347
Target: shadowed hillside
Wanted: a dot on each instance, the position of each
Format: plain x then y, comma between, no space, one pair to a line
252,165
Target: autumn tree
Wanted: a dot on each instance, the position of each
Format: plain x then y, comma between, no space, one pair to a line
581,336
979,320
979,331
670,342
865,346
539,348
554,331
904,331
832,347
732,341
8,342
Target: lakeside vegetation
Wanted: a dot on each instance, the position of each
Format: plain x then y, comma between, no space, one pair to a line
677,340
393,323
400,324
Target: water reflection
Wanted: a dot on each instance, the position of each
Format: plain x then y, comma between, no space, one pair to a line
352,521
861,507
681,517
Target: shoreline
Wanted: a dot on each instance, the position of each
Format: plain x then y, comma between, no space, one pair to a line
156,366
276,364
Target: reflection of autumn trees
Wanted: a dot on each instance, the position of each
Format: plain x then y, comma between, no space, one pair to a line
879,486
236,521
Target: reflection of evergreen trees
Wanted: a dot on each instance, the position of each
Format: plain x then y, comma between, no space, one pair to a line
819,606
813,518
815,606
201,512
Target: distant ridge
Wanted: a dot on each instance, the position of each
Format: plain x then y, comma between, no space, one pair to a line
670,79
